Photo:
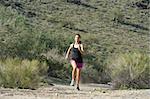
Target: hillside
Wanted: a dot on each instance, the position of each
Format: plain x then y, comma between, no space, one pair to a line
43,29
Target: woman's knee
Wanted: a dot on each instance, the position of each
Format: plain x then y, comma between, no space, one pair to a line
78,70
74,68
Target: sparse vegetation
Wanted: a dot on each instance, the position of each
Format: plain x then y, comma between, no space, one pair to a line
43,29
15,72
130,70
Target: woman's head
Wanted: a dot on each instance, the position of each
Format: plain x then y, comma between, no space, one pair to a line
77,38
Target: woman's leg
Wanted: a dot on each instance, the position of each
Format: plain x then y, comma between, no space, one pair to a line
74,66
78,77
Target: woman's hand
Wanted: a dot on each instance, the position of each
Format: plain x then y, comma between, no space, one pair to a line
79,47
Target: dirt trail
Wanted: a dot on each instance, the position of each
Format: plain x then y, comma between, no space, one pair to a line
88,91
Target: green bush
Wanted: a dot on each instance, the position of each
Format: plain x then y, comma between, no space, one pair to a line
57,64
130,70
15,72
89,74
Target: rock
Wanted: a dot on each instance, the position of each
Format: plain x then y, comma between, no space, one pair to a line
56,94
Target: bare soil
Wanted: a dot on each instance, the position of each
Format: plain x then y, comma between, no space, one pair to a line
88,91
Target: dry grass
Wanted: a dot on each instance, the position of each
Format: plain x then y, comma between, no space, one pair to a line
15,72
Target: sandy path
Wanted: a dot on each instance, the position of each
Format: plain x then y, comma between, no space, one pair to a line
88,91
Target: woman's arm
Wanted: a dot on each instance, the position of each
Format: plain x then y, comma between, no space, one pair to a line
80,48
67,55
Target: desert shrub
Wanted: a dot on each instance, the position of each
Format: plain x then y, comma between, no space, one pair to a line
89,74
130,70
15,72
57,65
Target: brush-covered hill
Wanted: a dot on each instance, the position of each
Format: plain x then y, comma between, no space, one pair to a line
44,29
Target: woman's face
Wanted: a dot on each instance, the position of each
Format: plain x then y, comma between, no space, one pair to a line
77,38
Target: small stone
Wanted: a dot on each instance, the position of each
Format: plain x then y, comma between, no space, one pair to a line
94,89
56,94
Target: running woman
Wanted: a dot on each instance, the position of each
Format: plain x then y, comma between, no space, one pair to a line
76,60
